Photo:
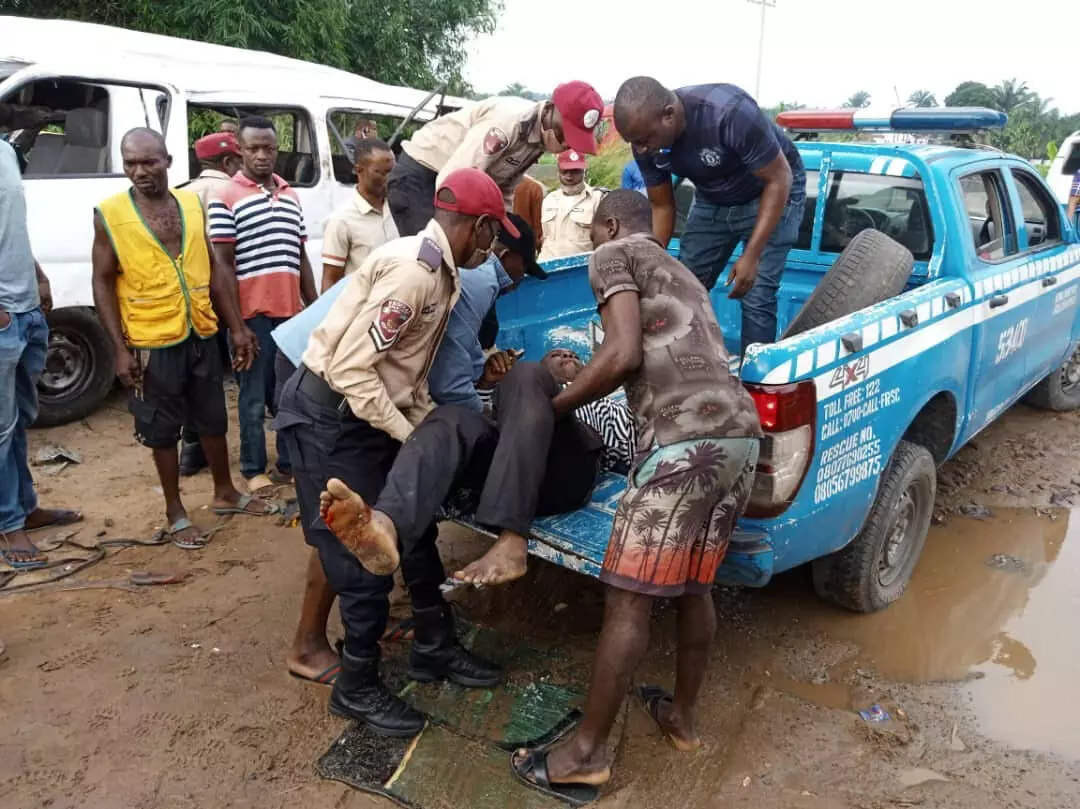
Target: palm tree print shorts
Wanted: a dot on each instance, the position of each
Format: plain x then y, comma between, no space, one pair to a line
675,519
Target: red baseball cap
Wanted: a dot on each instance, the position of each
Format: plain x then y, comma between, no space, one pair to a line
580,107
216,145
475,194
570,160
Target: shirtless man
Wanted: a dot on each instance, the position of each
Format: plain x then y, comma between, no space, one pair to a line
159,294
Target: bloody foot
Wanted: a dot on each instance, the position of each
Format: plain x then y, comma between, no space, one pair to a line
369,534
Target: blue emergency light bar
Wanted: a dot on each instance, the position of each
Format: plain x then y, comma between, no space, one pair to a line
910,119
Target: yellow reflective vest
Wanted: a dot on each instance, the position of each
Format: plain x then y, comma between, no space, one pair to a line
162,299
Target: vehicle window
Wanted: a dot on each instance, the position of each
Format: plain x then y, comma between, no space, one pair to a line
806,227
66,128
298,157
1039,209
992,229
343,125
1072,160
894,205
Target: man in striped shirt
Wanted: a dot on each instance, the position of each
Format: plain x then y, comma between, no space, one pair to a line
257,229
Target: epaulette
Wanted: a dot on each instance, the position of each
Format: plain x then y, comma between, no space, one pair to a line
430,255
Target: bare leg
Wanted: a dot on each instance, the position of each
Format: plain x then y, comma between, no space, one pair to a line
369,534
225,493
697,629
505,561
167,461
624,640
311,653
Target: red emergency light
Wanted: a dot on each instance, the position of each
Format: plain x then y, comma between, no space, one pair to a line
910,119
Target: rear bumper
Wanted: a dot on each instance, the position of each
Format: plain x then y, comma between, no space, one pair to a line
749,561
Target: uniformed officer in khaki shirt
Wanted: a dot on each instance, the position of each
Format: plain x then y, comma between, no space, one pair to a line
219,156
363,222
502,136
567,213
359,392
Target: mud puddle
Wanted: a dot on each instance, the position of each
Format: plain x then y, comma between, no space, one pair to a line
992,606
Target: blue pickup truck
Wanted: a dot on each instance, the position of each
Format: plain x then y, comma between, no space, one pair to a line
932,287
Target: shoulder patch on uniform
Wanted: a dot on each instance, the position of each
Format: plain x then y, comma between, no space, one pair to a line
430,254
495,141
392,317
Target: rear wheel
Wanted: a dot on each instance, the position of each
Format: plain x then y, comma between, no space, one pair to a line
873,570
78,368
1061,390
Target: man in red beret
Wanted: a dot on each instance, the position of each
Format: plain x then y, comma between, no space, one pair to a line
219,156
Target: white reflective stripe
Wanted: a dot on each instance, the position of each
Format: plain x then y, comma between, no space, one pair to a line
778,375
923,311
879,165
890,326
805,363
937,306
870,334
896,167
826,352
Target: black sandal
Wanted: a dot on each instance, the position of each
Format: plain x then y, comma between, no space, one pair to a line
535,765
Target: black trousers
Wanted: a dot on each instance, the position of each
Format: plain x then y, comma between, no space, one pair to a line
525,463
325,442
411,194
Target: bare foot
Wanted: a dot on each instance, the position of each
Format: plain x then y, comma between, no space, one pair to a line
567,764
19,549
680,730
368,534
49,517
507,560
318,665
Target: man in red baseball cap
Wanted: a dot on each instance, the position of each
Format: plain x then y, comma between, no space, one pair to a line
219,156
503,136
567,211
360,389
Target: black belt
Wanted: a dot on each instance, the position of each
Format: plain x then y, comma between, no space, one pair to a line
411,166
315,387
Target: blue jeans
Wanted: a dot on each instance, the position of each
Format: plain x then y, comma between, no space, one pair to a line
23,344
711,235
256,396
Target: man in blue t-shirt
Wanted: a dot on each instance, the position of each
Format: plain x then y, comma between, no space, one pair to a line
749,180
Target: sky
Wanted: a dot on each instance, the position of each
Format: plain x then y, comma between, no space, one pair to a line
817,52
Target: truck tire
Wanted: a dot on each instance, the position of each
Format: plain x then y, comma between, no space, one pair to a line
79,367
873,570
871,269
1061,390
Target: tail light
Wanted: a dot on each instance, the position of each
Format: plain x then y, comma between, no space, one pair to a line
787,414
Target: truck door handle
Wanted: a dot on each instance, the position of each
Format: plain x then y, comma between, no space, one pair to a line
998,300
1049,280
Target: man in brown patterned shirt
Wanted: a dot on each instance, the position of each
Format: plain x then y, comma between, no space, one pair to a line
698,435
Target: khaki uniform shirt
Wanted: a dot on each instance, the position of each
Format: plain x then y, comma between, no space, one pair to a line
208,184
528,201
567,221
376,344
354,230
499,135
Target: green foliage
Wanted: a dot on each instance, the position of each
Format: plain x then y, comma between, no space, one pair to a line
858,100
606,168
923,98
416,43
971,94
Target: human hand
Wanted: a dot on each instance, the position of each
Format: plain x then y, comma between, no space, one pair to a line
742,276
497,366
5,319
245,347
128,370
45,294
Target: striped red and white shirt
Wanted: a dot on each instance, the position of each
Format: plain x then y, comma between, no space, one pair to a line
268,231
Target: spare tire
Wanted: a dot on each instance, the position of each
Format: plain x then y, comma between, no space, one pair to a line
871,269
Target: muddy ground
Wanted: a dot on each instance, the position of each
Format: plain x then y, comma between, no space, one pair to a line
177,696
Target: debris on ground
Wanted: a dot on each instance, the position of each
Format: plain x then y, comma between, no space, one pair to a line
919,775
52,453
875,714
1002,561
976,512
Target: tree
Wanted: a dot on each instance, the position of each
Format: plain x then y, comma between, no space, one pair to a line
971,94
858,100
514,89
923,98
417,43
1011,94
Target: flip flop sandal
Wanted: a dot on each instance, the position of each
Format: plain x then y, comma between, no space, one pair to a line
63,517
650,698
326,677
535,764
200,540
22,560
241,508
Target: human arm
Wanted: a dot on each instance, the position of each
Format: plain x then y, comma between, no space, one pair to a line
308,291
752,137
106,268
335,251
662,198
44,288
617,357
379,303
